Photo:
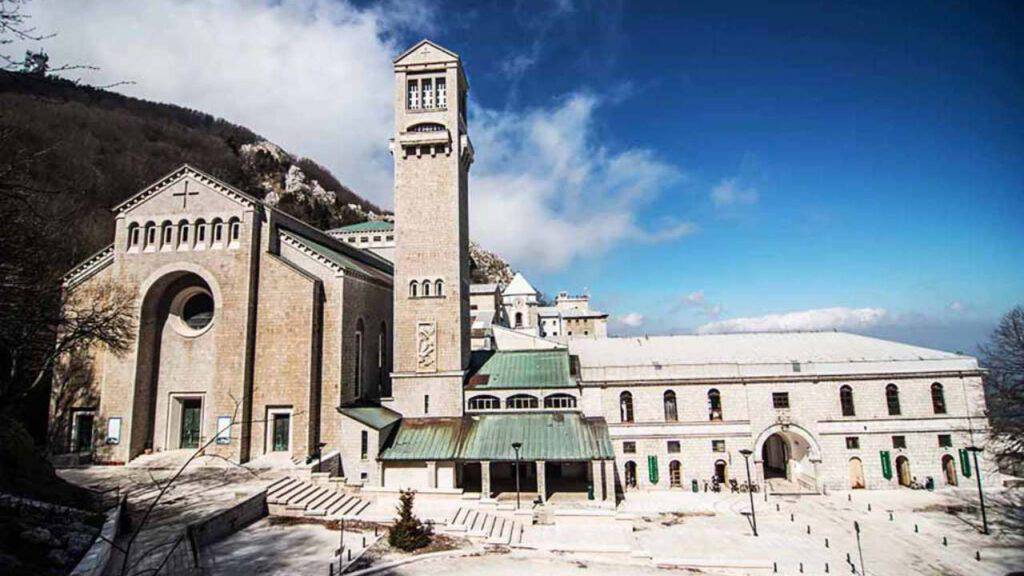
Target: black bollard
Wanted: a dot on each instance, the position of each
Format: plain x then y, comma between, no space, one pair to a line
775,567
944,542
977,555
349,554
890,516
826,542
849,497
869,506
364,541
791,517
776,507
330,568
848,561
801,567
915,528
808,528
826,567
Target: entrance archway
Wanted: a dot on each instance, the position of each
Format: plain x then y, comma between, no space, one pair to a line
903,471
722,471
675,474
949,470
176,360
630,474
856,473
775,454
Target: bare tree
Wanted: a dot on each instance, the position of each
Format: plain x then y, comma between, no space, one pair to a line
1003,355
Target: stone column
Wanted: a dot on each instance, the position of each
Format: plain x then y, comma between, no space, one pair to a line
542,488
431,474
485,479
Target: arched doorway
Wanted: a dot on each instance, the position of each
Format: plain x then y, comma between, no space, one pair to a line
721,471
675,474
775,454
856,473
176,363
630,474
903,471
949,470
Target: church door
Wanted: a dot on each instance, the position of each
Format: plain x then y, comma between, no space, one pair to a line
282,432
903,471
191,412
83,432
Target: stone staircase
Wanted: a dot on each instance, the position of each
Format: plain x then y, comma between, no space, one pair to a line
319,497
487,526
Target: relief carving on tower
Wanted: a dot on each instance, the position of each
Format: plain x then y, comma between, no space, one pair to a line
426,347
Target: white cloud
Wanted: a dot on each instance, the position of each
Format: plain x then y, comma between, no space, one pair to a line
730,192
545,191
632,319
818,319
314,76
958,307
700,303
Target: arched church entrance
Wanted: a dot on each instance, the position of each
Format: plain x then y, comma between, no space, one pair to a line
176,364
949,470
775,455
788,456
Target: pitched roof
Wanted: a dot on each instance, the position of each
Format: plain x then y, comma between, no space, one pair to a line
376,417
425,42
755,355
556,436
519,285
523,369
368,226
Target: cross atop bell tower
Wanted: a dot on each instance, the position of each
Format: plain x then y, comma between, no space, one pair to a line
432,155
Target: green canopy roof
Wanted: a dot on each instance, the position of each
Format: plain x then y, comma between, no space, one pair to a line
524,369
555,436
375,417
368,226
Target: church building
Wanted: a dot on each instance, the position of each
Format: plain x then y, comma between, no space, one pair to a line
365,347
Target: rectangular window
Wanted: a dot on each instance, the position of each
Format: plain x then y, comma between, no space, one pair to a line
673,447
780,400
376,238
629,447
718,445
223,429
426,403
389,238
414,94
364,445
899,442
358,380
442,93
428,92
852,443
945,441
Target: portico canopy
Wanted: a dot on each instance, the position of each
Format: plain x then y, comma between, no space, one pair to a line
549,436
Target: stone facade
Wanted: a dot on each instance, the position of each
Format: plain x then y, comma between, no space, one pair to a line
273,340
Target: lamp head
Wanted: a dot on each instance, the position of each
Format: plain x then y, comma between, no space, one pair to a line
746,452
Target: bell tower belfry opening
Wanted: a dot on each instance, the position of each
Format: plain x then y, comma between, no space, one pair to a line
432,154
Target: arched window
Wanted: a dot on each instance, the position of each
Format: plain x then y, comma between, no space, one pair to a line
234,231
714,404
626,407
166,235
413,289
671,414
519,319
183,235
846,401
382,361
938,399
484,403
426,288
150,236
201,234
521,402
630,474
892,399
439,288
133,236
357,381
218,231
560,401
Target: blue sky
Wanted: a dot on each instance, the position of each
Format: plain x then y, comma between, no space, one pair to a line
879,147
709,166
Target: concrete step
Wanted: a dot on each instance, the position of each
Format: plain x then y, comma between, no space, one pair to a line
288,493
280,487
303,502
338,505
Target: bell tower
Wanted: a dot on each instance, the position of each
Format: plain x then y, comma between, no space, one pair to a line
432,155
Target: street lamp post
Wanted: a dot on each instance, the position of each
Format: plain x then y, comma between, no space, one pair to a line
753,515
981,494
516,446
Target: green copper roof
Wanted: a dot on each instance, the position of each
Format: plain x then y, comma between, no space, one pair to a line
561,436
376,417
369,226
524,369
